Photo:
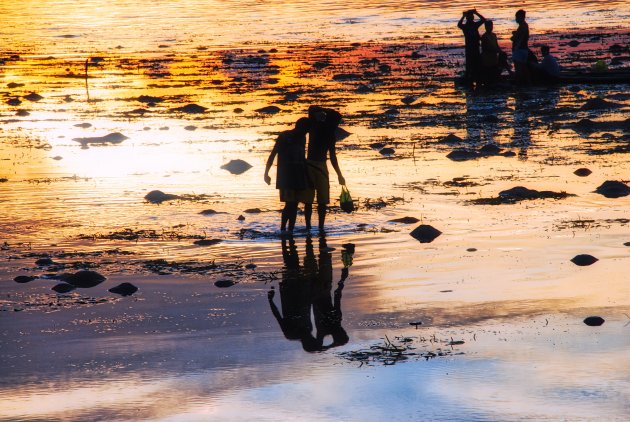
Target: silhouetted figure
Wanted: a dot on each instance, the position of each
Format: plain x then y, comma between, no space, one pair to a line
295,297
291,179
548,69
520,49
321,145
470,28
327,309
493,59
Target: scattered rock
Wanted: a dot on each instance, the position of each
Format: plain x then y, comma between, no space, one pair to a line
149,99
471,250
12,85
582,172
112,138
268,110
207,242
124,289
405,220
83,125
240,218
33,97
253,211
43,262
387,151
489,149
224,283
63,288
22,113
451,139
191,109
594,321
613,189
3,180
584,260
238,110
251,266
598,104
208,212
463,155
409,99
157,197
237,166
626,244
190,128
24,278
85,279
14,101
425,233
573,43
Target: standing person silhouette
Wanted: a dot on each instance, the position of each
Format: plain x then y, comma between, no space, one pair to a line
295,297
470,28
291,177
321,145
520,48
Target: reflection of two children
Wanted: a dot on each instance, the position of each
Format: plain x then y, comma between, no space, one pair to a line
309,287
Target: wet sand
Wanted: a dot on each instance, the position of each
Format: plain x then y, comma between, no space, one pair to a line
500,302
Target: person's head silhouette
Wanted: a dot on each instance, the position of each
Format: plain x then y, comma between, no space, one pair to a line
520,16
488,25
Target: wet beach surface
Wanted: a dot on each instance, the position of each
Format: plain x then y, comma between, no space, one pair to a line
500,301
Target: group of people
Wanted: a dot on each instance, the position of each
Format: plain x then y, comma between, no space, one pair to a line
302,173
485,60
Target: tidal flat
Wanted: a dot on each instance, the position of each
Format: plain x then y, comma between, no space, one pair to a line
143,275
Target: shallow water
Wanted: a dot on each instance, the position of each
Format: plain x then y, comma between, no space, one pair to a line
499,277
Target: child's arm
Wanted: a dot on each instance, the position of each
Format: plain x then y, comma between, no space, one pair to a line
272,156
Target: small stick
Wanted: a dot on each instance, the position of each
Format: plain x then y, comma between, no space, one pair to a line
87,92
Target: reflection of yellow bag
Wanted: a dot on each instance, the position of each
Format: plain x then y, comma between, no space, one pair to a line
346,258
345,200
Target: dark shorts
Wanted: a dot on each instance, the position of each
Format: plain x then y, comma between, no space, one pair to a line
318,176
293,195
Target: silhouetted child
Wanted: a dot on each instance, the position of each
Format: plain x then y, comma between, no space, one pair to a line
470,28
520,48
548,68
291,178
493,59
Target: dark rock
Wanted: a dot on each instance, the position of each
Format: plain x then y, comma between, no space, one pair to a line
43,262
124,289
364,89
471,250
33,97
85,279
626,244
519,193
425,233
157,197
3,180
190,128
22,113
191,109
238,110
63,288
451,139
377,145
83,125
346,76
268,110
24,278
14,101
613,189
149,99
251,266
12,85
594,321
508,154
208,212
405,220
112,138
573,43
489,149
598,104
237,166
409,99
207,242
463,155
253,210
584,260
387,151
224,283
582,172
240,218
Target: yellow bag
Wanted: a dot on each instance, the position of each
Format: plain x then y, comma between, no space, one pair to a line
345,200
